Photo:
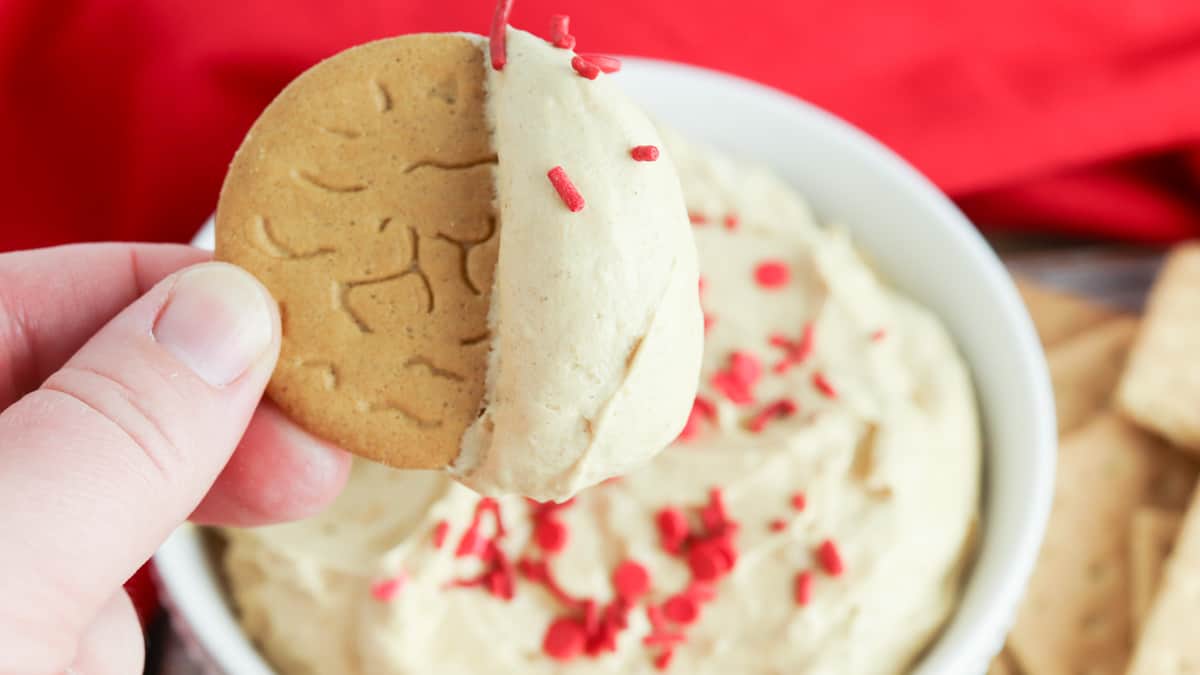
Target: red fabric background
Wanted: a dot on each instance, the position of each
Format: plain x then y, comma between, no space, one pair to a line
117,117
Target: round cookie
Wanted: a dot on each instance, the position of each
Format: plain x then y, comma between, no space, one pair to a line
363,199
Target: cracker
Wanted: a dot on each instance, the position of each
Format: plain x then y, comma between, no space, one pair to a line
1057,315
1086,367
362,198
1151,538
1075,617
1160,389
1168,644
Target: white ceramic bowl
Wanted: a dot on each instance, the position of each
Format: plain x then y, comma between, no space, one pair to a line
921,244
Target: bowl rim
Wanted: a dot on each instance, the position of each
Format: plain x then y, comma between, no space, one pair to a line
957,649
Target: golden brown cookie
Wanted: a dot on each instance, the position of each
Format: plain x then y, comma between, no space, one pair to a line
363,199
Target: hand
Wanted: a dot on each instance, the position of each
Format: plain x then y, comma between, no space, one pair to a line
129,374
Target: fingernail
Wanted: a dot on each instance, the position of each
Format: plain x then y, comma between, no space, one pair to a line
217,322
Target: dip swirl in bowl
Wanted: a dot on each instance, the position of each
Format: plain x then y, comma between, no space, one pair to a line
817,515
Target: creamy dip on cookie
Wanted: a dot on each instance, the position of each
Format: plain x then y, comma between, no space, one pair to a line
816,516
596,335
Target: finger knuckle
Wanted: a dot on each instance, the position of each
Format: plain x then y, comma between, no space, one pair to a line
117,404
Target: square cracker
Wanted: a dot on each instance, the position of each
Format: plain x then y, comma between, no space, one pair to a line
1057,315
1151,538
1085,369
1160,389
1076,615
1168,644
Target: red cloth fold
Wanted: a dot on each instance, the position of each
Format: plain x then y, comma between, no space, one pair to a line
118,117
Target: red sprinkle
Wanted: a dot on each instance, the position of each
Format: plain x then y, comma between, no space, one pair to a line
733,389
644,153
585,68
696,218
794,353
664,639
737,381
470,544
772,274
499,584
709,320
823,385
603,639
551,535
655,616
777,525
714,520
496,579
664,659
537,571
830,558
726,553
566,189
560,35
705,561
745,366
439,533
661,637
631,580
497,44
731,221
799,501
497,575
388,589
803,588
672,528
612,621
681,608
606,64
565,639
785,407
878,335
701,592
617,613
714,515
591,617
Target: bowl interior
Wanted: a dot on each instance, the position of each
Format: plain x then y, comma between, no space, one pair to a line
922,245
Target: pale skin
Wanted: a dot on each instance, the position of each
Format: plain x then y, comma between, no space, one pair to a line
131,383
